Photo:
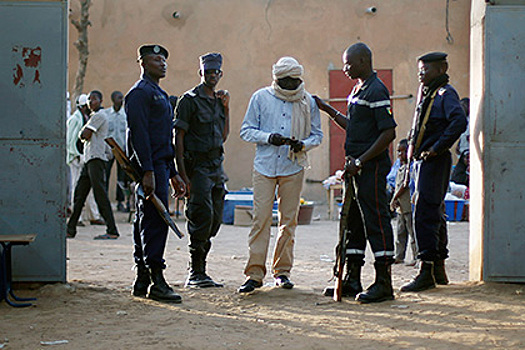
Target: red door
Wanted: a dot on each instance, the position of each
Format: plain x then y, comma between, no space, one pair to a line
340,88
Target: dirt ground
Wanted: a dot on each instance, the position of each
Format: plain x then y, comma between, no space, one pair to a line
95,310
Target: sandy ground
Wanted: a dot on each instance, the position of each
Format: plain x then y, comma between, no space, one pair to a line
95,309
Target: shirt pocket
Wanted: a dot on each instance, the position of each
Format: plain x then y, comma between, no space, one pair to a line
204,123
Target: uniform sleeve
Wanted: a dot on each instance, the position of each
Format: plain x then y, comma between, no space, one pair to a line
137,111
251,125
457,121
184,112
381,109
316,133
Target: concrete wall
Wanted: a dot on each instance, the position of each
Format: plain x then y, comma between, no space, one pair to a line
252,35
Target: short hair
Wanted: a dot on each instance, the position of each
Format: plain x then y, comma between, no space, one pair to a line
115,93
403,142
362,50
96,92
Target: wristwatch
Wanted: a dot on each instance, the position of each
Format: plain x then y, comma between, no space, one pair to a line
357,162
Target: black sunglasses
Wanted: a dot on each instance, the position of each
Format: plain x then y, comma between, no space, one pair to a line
212,71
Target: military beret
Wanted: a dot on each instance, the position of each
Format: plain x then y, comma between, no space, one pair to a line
210,61
433,57
152,50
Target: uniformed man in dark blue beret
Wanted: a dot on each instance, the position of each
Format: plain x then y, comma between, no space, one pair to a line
439,122
370,127
202,126
150,119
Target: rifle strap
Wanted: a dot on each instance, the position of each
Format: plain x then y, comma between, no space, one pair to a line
424,122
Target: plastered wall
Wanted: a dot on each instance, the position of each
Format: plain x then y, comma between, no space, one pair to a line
253,34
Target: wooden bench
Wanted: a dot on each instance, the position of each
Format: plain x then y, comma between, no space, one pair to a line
7,242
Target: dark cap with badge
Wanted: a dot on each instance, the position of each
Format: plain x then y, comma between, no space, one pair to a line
433,57
145,50
210,61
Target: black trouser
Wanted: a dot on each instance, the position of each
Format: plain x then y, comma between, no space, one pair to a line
122,179
93,175
204,207
432,180
150,232
368,216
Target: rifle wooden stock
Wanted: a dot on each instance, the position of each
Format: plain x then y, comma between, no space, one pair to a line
134,174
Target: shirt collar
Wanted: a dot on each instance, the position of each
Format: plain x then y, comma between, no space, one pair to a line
367,82
200,91
148,79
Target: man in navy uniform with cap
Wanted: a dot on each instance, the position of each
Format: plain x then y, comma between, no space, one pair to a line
440,121
202,126
150,145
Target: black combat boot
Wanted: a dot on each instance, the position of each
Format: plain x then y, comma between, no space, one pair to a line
197,277
381,289
142,281
440,275
423,281
351,283
160,290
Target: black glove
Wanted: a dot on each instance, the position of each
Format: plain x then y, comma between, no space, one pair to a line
277,139
296,145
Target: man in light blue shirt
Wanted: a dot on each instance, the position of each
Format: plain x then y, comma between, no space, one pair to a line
283,121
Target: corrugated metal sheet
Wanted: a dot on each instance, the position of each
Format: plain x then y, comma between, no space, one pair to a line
33,53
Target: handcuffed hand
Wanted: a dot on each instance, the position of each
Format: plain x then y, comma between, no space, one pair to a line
277,139
296,145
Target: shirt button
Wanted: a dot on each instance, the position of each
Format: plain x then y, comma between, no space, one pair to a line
282,127
284,115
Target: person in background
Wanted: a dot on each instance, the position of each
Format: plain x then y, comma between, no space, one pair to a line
75,160
402,204
117,130
93,174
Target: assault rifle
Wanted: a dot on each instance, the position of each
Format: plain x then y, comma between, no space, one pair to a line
340,250
134,173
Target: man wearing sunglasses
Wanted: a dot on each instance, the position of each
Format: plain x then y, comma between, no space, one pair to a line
202,126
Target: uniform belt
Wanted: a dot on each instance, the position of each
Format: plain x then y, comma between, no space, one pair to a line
211,154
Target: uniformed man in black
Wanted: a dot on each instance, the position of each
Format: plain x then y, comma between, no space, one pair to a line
150,145
370,128
202,126
440,122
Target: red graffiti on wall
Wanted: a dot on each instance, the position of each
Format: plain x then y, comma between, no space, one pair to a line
27,60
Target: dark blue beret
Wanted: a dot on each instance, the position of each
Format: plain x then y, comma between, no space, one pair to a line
210,61
152,50
433,57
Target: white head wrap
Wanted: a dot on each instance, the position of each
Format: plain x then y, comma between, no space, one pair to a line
301,124
287,67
